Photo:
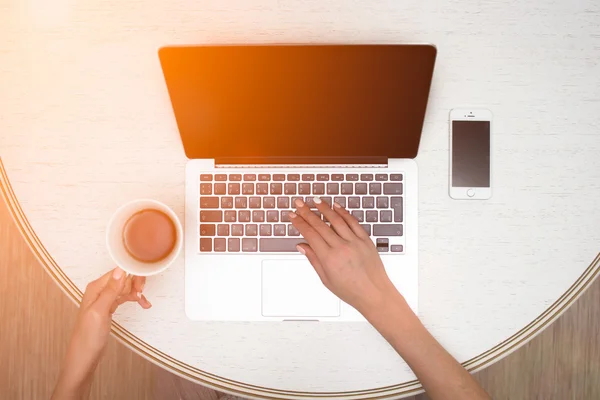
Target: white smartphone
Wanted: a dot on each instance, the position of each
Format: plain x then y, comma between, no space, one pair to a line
470,154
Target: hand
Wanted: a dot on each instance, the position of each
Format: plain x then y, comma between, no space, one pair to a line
343,255
92,328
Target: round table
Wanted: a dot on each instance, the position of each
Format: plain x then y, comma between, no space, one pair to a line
86,125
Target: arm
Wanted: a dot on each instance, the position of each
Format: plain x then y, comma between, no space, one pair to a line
92,328
349,265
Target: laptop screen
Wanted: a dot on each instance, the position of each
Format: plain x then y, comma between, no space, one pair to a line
288,103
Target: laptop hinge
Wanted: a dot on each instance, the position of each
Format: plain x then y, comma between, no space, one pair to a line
301,162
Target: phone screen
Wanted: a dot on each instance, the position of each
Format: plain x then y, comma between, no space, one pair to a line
471,153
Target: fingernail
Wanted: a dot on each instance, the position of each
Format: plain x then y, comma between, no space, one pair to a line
299,203
317,200
117,273
300,249
336,205
292,214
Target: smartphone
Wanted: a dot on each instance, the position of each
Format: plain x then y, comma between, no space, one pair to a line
470,154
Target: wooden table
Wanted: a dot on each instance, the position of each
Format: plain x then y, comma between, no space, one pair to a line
86,125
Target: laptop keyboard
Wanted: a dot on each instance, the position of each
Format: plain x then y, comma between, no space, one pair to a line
250,212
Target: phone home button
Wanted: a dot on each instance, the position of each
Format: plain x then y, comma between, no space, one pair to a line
471,192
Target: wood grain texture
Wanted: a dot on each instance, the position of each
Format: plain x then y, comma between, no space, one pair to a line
561,363
87,125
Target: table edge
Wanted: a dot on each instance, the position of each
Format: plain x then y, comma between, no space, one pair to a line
219,383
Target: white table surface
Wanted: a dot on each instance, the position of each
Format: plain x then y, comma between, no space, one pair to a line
86,125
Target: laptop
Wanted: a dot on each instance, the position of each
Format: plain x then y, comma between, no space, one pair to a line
263,125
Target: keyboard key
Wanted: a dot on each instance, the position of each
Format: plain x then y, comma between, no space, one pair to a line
333,188
283,202
258,216
368,202
243,216
269,202
337,177
318,188
382,202
241,202
209,202
352,177
353,202
290,188
264,177
249,177
237,230
211,216
279,177
223,230
221,177
233,188
294,198
397,248
235,177
359,215
255,202
361,188
396,205
208,229
262,188
292,231
392,188
265,230
205,244
276,188
233,244
230,216
304,188
310,202
285,215
206,177
322,177
248,188
383,245
293,177
381,177
280,245
367,228
375,188
396,177
251,230
273,216
388,230
249,244
220,244
366,177
226,202
205,188
385,215
279,230
308,177
327,199
347,188
372,216
340,200
220,188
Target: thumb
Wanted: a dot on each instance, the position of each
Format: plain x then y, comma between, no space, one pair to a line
306,250
111,292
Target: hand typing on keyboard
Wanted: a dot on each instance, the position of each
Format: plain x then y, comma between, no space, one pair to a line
343,255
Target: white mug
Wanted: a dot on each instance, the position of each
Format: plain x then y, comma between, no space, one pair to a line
116,245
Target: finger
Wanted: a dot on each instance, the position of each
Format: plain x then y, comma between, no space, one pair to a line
128,286
111,291
123,299
337,222
138,283
312,257
316,223
312,237
144,302
351,221
94,288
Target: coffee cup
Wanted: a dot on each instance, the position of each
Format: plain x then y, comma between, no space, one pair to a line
144,237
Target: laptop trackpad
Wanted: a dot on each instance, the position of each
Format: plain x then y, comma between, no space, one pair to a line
292,288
